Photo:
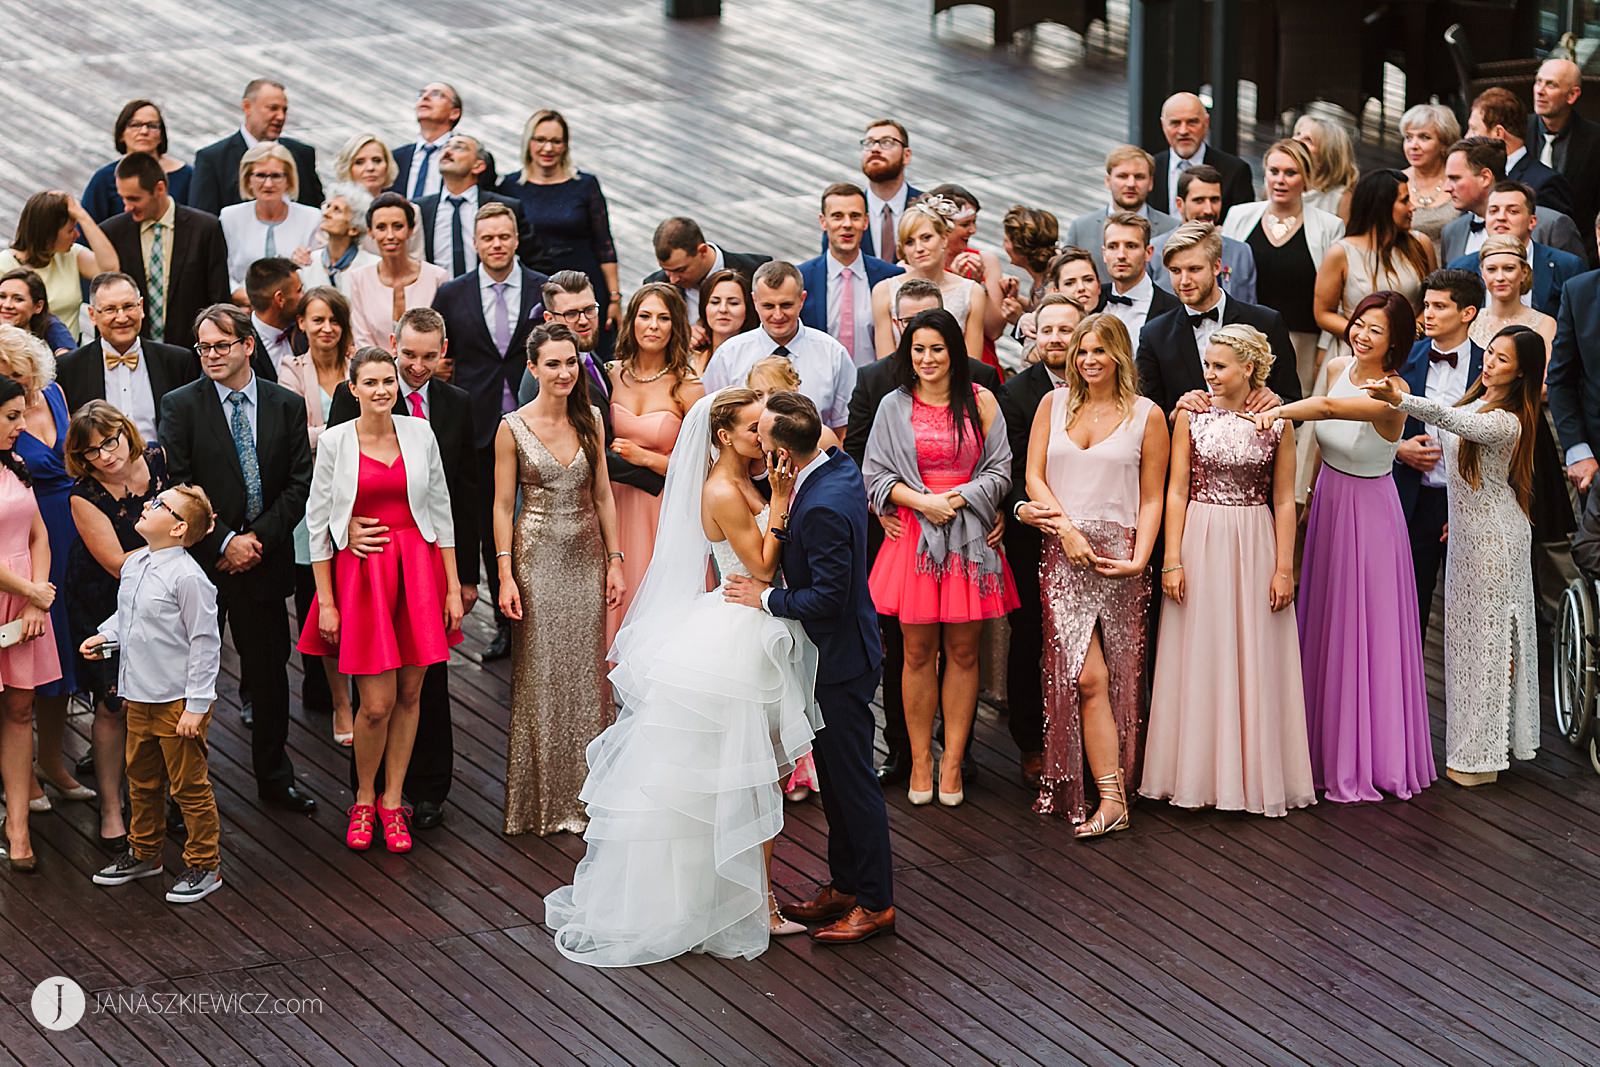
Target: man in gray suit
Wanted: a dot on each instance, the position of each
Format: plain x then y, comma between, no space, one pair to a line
1130,173
1199,199
1471,170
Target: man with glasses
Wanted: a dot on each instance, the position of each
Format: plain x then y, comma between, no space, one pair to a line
885,151
265,105
438,112
448,215
132,374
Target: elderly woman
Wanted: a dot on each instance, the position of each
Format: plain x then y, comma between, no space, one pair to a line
267,222
1333,164
381,292
25,305
140,127
1429,131
46,242
344,226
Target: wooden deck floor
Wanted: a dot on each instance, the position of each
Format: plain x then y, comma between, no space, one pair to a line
1458,928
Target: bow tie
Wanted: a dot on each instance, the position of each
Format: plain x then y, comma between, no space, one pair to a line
1196,319
128,359
1436,356
1476,225
1115,298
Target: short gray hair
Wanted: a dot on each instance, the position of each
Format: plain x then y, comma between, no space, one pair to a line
774,272
1436,117
356,196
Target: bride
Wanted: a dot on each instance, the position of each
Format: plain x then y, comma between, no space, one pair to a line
717,703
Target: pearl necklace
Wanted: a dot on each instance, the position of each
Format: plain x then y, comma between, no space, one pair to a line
657,376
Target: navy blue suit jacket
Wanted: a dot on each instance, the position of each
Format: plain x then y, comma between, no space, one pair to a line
481,370
1574,374
1552,268
1407,480
402,160
814,280
825,566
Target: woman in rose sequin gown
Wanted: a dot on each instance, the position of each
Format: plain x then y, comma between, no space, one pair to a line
1098,456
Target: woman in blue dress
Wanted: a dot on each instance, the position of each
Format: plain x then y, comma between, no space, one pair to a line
140,127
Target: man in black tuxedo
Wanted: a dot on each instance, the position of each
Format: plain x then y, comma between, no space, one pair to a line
1185,124
216,166
419,347
1563,139
1499,114
1170,344
1573,379
875,381
243,441
687,259
447,234
438,113
1057,316
120,367
488,314
190,255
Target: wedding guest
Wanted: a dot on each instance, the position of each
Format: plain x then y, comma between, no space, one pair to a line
1200,200
1288,239
343,229
980,265
1333,174
561,565
1030,242
1491,676
1499,113
1508,279
266,222
46,242
388,616
1360,645
141,128
379,294
1428,131
727,309
885,154
438,112
1573,377
449,217
1077,278
839,282
1185,124
1561,138
687,259
273,289
1473,167
26,594
1125,254
265,108
775,374
25,305
1097,458
1511,213
924,227
366,161
1227,709
1129,176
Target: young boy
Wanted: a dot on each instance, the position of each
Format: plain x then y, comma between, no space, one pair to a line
166,622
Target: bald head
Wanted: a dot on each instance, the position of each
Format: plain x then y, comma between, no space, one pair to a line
1556,88
1185,123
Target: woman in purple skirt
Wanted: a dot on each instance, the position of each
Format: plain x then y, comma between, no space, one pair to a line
1360,644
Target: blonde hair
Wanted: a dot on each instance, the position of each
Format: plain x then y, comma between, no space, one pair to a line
25,359
1295,151
725,410
1440,119
1114,336
196,510
1201,235
1250,345
775,372
1504,244
547,114
347,159
1333,163
925,209
1129,153
268,150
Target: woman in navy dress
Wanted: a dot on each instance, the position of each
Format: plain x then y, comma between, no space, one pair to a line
140,127
567,212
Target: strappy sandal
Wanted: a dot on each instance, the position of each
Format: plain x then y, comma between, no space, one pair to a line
778,923
358,835
396,834
1110,786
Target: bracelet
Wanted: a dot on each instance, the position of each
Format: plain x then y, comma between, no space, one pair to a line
497,555
1169,570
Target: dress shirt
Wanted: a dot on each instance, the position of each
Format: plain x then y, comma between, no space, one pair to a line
274,340
513,291
432,183
249,140
1176,165
692,295
1133,315
129,391
406,392
861,344
1513,158
827,375
1446,385
1207,327
1056,380
1475,238
1556,144
441,229
799,479
250,408
166,616
147,230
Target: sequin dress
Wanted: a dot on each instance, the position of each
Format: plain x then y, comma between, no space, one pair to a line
1098,489
1227,711
558,703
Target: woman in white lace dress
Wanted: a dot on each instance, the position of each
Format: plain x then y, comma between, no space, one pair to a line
1491,681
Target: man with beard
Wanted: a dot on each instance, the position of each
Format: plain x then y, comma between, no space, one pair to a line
885,151
1128,179
1199,199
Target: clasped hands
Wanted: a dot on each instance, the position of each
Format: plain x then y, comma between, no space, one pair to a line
1079,552
940,503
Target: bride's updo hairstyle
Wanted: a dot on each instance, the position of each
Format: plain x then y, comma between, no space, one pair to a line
725,412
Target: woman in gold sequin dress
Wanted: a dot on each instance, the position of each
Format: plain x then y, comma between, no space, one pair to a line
559,571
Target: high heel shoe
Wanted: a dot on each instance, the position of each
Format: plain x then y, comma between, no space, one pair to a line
1110,786
342,740
919,797
396,834
77,792
358,834
777,923
952,798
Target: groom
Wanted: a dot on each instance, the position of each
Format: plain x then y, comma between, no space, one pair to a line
824,559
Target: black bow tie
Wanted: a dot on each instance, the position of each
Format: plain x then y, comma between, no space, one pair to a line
1476,225
1436,356
1114,298
1196,320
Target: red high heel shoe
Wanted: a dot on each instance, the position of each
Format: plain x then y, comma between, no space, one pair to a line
358,835
396,834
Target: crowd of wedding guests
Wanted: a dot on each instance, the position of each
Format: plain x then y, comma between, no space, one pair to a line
1206,452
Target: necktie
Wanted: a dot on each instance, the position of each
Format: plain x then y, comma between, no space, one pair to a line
886,236
244,443
1184,164
1196,320
501,327
1436,356
421,184
156,282
1476,225
416,405
1118,298
1547,154
129,359
781,351
847,311
269,247
458,244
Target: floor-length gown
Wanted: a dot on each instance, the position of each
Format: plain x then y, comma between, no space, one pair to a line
1227,713
638,511
1360,641
1491,662
558,701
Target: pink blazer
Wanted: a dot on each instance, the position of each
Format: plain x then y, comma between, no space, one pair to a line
300,374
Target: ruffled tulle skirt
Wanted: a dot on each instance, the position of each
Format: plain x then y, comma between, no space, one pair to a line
902,584
685,788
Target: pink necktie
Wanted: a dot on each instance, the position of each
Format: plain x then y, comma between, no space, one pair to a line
847,312
416,405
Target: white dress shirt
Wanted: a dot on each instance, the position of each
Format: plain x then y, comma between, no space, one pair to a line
406,392
1446,385
1513,158
1475,238
274,340
166,616
827,375
1207,327
1176,165
433,183
129,391
861,346
799,479
249,140
1133,315
897,208
692,295
442,221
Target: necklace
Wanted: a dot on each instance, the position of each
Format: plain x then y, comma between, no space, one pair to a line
1277,228
657,376
1432,197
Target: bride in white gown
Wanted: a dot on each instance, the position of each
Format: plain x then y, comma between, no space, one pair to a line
717,703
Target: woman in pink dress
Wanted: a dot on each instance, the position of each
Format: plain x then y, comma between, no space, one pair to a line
933,465
653,385
1097,458
1227,717
25,596
403,603
382,292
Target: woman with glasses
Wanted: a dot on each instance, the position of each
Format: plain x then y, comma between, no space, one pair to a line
115,474
267,222
140,127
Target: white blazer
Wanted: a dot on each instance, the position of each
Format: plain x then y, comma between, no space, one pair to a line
1323,228
333,486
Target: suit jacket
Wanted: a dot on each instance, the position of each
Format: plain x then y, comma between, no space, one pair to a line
814,279
1407,479
1552,268
1580,165
743,262
1019,403
1238,181
1238,268
1169,362
428,206
825,565
199,273
450,418
82,373
200,450
216,173
402,161
1550,186
873,242
1552,229
1574,374
1087,231
481,369
618,469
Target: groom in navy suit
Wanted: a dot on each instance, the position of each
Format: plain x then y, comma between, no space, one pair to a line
825,570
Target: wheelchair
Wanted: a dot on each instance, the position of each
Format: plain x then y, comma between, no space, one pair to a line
1576,681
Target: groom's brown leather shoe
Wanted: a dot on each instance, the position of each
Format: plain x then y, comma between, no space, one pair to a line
858,925
827,904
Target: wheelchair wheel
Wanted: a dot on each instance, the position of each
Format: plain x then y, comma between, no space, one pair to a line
1594,751
1575,662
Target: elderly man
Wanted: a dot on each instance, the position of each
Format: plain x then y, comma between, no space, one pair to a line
1185,124
1561,138
265,105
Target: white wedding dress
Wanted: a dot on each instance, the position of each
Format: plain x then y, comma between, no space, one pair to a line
717,703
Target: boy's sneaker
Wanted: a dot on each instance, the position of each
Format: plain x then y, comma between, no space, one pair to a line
127,867
197,883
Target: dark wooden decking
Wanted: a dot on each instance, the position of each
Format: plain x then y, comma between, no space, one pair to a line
1457,928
